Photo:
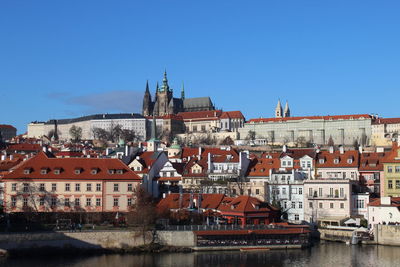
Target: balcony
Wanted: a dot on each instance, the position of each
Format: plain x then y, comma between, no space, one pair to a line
326,196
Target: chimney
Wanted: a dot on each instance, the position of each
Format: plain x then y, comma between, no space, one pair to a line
284,149
380,150
341,149
331,149
209,161
386,201
199,155
44,149
126,150
360,149
3,157
11,157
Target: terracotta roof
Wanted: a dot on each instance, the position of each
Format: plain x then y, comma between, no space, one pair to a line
343,162
244,204
24,147
262,166
386,121
372,161
7,126
200,115
68,166
193,161
208,201
232,115
395,202
326,118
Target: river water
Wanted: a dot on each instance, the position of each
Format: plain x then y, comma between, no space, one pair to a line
322,254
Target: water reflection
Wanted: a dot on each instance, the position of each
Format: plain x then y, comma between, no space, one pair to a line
323,254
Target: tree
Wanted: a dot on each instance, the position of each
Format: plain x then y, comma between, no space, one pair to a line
356,145
99,133
52,133
251,135
301,141
330,141
76,133
227,141
143,213
128,135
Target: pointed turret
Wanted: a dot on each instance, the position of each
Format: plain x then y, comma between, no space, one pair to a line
286,112
165,86
183,92
147,104
278,110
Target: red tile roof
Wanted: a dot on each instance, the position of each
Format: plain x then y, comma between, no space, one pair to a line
326,118
278,231
201,115
395,202
208,201
386,121
7,126
26,147
243,204
232,115
372,161
68,166
329,159
262,166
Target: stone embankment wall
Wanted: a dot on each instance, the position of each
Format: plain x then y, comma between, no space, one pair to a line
387,234
94,239
335,235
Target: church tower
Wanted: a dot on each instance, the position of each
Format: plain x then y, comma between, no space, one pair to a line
278,110
147,103
164,95
286,111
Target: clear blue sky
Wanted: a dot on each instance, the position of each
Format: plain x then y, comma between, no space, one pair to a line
60,59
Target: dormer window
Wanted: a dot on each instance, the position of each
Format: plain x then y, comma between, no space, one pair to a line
78,171
321,161
94,171
27,171
44,171
57,171
336,161
350,161
120,171
111,171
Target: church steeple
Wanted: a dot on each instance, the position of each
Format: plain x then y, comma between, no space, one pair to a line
286,112
278,110
165,86
183,92
147,103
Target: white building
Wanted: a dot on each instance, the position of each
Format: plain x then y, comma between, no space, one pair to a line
384,211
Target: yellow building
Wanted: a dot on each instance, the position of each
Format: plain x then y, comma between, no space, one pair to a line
391,182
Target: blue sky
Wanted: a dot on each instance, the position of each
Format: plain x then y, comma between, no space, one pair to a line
60,59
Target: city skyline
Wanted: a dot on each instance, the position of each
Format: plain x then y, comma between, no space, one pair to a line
64,60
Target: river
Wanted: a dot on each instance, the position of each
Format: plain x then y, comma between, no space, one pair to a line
322,254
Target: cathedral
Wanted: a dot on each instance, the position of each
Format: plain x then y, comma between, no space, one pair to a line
165,103
278,110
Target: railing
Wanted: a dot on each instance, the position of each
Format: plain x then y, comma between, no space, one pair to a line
217,227
325,196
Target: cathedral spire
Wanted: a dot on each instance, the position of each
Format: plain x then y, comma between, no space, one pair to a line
147,87
286,112
165,86
183,92
278,110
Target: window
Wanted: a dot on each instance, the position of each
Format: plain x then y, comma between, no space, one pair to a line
77,171
25,202
360,204
98,202
98,187
26,187
300,191
397,184
53,187
77,202
331,205
88,202
300,205
77,187
257,191
27,171
320,192
89,187
129,202
13,201
203,128
341,192
57,171
195,128
94,171
14,187
283,163
53,201
284,191
321,161
67,187
41,201
41,187
342,205
308,164
336,161
43,171
389,169
310,192
397,169
130,187
249,192
390,184
296,217
234,191
293,205
116,202
350,161
321,205
66,202
310,205
116,187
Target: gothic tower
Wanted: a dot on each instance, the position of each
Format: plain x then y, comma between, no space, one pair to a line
164,95
286,111
147,103
278,110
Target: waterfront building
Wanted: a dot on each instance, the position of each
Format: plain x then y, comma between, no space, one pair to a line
384,210
371,170
340,129
44,183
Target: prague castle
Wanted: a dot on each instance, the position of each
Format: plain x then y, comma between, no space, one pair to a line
165,103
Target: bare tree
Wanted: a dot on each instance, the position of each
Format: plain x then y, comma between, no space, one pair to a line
227,141
330,141
301,141
76,133
129,135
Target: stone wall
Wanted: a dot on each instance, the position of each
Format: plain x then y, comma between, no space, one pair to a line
93,239
387,234
335,235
